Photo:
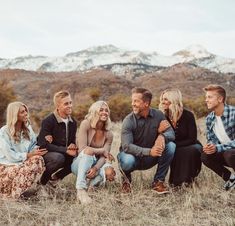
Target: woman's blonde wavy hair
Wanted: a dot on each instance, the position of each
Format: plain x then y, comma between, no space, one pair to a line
93,114
12,118
176,106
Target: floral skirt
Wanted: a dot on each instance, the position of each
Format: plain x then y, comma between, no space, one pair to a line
16,179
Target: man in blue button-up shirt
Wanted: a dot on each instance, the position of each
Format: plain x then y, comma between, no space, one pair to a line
220,124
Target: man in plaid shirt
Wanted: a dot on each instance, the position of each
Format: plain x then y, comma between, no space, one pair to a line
220,124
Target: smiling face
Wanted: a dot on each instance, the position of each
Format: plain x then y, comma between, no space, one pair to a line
165,102
103,113
22,114
64,107
139,106
213,100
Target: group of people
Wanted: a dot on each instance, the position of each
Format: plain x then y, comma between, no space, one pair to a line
166,137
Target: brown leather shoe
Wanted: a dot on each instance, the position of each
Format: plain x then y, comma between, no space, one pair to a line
126,187
160,187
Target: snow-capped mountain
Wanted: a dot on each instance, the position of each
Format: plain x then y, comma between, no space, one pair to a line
110,55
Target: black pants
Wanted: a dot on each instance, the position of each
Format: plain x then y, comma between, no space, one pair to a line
56,162
218,161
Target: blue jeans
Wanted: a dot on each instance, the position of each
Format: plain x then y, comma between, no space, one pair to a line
130,163
81,164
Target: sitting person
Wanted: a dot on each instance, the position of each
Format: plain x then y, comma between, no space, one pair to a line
142,146
186,164
21,162
94,142
62,149
219,152
107,172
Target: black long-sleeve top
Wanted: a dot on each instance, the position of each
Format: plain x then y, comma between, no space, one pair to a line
185,130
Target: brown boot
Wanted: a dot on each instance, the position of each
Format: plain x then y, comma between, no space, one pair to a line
160,187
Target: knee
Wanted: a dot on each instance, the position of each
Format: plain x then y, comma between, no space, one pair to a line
127,161
204,158
229,157
198,148
36,163
110,173
170,148
55,160
88,151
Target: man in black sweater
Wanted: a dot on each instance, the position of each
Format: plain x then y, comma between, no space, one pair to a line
57,135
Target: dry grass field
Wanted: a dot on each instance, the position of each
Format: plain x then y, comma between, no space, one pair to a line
205,203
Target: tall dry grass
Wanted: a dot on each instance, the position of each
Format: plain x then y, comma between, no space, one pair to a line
205,203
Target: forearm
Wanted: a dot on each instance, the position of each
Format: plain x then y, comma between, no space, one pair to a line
169,135
135,150
100,162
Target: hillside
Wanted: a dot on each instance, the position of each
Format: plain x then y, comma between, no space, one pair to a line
37,88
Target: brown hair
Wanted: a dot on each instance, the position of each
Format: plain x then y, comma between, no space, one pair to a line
219,89
146,94
60,95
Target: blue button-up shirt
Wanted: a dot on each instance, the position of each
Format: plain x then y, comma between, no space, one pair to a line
228,119
12,153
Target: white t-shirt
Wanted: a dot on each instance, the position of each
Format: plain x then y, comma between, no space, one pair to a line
66,121
220,131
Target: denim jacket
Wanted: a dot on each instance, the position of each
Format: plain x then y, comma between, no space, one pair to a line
228,119
12,153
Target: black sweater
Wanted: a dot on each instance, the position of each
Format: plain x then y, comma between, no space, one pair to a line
185,130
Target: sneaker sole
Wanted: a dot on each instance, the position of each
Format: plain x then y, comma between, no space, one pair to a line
161,192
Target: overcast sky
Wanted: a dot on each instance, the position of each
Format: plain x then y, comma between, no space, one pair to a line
57,27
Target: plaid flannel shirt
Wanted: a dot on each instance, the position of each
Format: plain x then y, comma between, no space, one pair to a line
228,119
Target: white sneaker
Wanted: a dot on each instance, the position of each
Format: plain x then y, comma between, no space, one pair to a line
83,197
230,184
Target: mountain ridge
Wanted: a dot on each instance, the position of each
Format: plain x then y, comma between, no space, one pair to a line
98,56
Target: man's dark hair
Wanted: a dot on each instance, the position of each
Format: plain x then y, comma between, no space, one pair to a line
146,94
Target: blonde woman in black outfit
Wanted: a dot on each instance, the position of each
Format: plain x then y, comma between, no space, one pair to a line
186,164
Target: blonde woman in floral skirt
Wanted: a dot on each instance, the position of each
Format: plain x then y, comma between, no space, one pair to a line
21,162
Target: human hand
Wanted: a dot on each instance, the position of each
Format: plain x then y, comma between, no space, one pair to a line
91,173
156,151
72,152
158,147
73,146
108,156
49,138
37,151
209,149
163,126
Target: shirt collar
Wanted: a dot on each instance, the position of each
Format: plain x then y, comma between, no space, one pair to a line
150,114
224,115
58,118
